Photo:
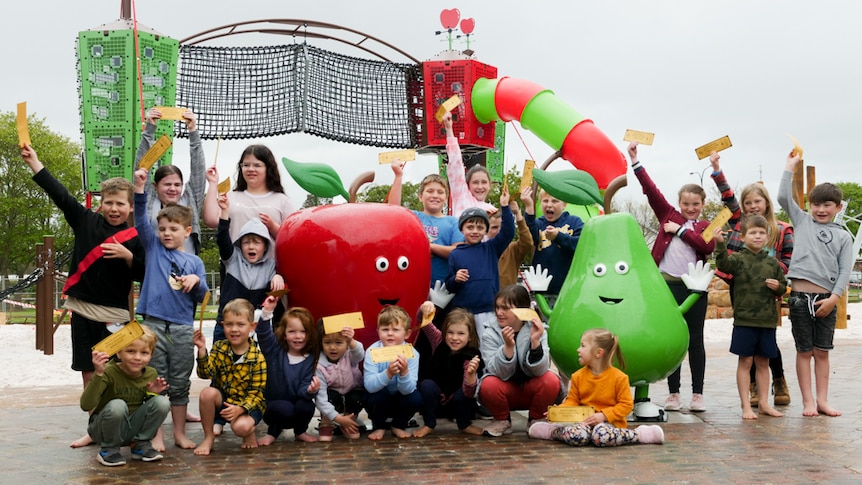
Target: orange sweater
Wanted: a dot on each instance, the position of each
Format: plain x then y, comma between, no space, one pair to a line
608,392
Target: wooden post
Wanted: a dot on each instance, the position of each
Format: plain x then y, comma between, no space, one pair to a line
40,290
48,299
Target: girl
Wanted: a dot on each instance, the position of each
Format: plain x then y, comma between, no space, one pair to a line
517,364
755,200
291,357
604,387
677,244
451,387
339,399
469,191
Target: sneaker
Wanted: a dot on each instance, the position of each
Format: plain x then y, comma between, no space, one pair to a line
325,431
110,457
697,404
541,430
150,454
673,402
650,434
497,428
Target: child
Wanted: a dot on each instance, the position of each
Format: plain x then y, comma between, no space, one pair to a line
472,189
390,387
819,272
249,263
474,274
238,372
291,353
555,236
604,387
451,388
106,257
518,250
755,200
124,397
517,364
174,281
677,244
758,281
339,399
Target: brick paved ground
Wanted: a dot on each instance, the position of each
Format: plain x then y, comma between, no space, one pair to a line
712,447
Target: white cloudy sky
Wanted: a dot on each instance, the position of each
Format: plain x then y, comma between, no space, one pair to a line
689,71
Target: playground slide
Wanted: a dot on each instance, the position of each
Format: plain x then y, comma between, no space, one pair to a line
553,121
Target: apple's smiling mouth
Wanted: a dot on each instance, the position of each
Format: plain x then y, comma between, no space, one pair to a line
612,301
388,302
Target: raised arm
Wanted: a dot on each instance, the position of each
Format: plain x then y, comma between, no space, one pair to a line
197,160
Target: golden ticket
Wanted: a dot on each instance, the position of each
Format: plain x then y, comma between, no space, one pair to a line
569,414
155,152
447,106
640,137
224,186
526,314
426,319
527,177
720,220
120,339
23,129
171,113
336,323
797,148
403,155
278,293
388,354
713,146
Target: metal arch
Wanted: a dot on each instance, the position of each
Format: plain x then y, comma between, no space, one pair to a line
300,28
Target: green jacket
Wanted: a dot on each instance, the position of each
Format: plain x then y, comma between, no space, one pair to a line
114,383
753,302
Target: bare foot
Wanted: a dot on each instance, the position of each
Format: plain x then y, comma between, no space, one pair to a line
192,418
159,441
423,431
267,440
400,433
748,414
377,434
306,438
770,411
206,446
249,441
810,410
218,428
182,441
825,408
474,430
82,441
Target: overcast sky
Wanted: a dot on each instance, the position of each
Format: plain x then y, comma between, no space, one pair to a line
688,71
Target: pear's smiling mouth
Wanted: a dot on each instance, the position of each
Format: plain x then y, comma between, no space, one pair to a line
612,301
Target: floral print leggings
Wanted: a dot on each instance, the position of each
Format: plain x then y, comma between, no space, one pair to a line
603,434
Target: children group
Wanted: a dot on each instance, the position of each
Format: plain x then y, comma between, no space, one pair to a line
474,350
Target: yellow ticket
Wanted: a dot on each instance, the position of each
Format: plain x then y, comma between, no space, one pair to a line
388,354
640,137
426,319
23,129
155,152
527,177
569,414
713,146
526,314
447,106
797,148
224,186
120,339
403,155
278,293
336,323
720,220
171,113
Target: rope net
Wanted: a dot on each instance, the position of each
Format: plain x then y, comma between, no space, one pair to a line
252,92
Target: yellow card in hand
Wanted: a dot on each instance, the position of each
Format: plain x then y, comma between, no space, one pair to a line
155,152
224,186
171,113
120,339
713,146
720,220
336,323
426,319
527,177
525,314
23,129
797,148
388,354
278,293
640,137
447,106
569,414
403,155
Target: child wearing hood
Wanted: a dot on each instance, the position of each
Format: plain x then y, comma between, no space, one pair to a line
249,263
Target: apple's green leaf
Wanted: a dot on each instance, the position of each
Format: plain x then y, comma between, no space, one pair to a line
316,178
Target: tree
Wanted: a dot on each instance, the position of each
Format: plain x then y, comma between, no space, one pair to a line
853,198
379,193
26,212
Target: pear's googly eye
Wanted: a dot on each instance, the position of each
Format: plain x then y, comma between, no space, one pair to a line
621,267
600,270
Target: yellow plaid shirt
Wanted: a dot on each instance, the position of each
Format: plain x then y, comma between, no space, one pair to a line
242,382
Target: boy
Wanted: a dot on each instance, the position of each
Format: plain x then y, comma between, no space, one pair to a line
474,275
124,397
555,236
390,387
107,255
758,281
238,372
249,263
819,272
175,280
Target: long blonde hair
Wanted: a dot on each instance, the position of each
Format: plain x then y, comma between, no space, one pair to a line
758,188
605,339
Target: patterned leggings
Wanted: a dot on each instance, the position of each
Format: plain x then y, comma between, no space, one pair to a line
603,434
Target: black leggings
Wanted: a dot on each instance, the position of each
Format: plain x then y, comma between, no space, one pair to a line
696,351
